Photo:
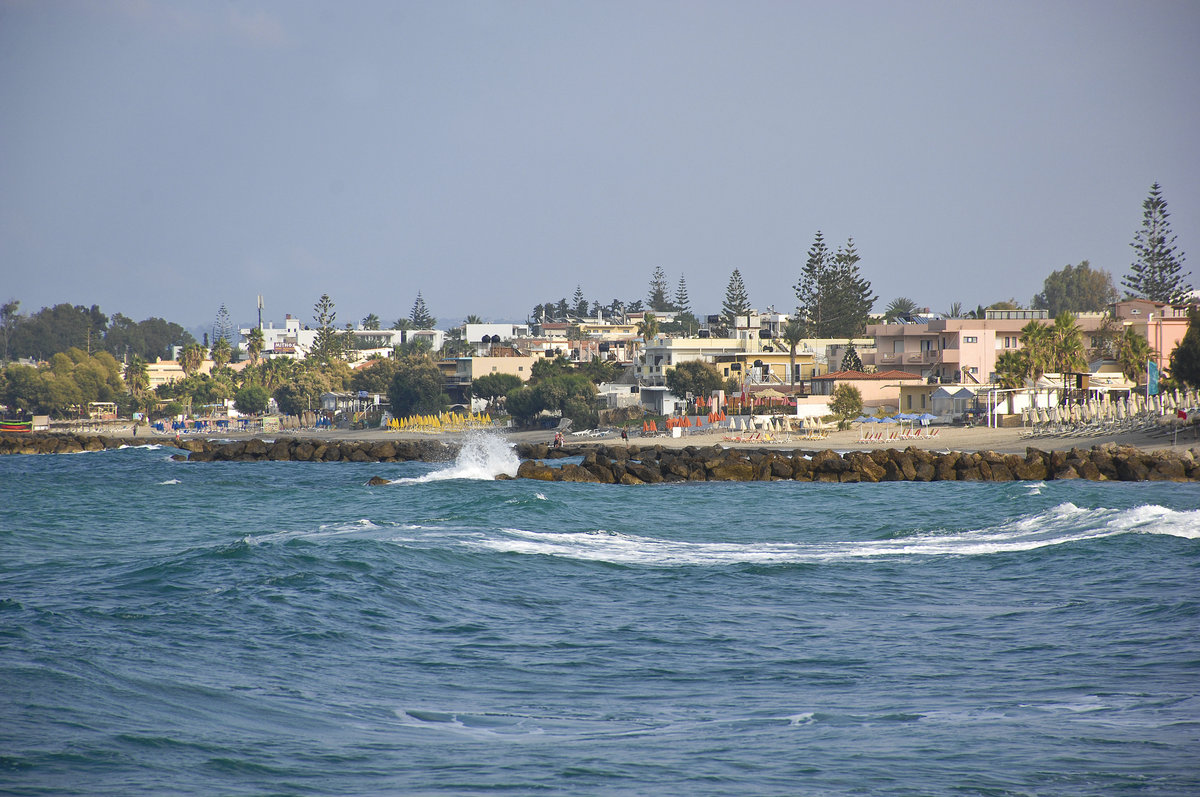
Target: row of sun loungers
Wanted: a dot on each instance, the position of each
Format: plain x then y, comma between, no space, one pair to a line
1160,414
891,435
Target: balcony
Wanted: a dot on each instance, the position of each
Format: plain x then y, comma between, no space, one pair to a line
908,358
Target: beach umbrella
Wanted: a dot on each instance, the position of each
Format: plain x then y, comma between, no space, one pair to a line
887,420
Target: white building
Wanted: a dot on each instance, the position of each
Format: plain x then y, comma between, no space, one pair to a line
296,340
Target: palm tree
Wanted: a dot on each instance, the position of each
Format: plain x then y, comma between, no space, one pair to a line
255,344
221,352
649,327
1133,352
1012,368
791,334
1036,340
137,376
275,372
191,358
1067,344
371,321
955,311
900,306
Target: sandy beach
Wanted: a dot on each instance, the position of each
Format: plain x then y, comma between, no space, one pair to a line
949,438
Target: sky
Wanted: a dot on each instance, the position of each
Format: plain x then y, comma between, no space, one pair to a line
164,158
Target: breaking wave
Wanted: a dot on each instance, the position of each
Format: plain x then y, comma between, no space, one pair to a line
483,456
1060,525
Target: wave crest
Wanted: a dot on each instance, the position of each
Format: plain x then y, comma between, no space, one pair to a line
1062,524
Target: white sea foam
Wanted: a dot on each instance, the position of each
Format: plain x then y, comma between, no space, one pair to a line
482,456
510,727
171,481
323,530
1060,525
806,718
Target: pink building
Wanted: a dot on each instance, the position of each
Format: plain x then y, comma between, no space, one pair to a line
879,390
1163,325
958,350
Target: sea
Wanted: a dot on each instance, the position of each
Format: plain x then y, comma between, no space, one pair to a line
283,628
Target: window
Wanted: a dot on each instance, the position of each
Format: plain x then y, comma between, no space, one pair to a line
970,339
909,397
922,401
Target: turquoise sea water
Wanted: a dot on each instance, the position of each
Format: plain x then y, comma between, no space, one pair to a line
282,628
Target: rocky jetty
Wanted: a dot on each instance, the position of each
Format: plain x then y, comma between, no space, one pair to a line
253,450
634,465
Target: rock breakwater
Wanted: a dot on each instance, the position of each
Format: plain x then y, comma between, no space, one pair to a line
633,464
254,450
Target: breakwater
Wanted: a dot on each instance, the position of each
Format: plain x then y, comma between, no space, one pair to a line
634,464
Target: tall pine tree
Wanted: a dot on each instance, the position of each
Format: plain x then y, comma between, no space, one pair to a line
326,346
580,302
737,301
834,299
682,303
808,290
657,299
1157,273
419,315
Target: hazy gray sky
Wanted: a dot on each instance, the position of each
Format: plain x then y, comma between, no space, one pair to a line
163,158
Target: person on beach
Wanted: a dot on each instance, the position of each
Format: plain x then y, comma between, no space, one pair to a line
625,434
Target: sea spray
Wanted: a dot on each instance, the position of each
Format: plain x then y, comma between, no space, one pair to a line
483,455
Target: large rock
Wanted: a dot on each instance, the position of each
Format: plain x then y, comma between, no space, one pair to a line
1130,467
946,467
535,469
828,461
732,471
1168,468
576,473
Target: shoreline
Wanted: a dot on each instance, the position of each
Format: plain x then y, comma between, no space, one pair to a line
949,438
699,457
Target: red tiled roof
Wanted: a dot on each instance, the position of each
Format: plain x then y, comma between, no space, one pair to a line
848,375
